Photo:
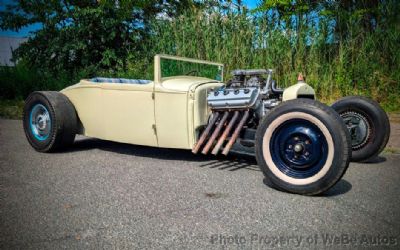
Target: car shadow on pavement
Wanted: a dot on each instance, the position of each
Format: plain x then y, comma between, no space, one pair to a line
377,159
232,162
84,144
340,188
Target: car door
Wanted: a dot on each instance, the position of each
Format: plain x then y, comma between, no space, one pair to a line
128,113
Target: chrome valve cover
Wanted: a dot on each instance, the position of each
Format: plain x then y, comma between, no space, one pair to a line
232,98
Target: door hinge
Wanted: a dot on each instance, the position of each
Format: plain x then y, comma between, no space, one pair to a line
153,95
154,129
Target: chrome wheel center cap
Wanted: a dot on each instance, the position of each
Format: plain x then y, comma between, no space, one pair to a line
41,122
298,148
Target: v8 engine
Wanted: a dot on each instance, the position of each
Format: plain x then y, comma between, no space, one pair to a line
248,89
238,107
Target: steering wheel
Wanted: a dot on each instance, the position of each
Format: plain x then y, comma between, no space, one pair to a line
192,73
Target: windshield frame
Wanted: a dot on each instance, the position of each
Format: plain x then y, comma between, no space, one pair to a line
157,65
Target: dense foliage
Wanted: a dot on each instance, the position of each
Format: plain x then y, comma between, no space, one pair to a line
343,47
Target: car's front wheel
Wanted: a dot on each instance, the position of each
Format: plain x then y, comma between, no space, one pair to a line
303,147
49,120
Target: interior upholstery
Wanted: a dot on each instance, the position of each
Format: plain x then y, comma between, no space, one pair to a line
119,80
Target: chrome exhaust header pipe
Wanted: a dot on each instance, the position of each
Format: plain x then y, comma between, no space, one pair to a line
205,133
215,133
236,133
225,133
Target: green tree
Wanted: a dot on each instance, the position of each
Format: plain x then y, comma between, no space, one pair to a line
84,34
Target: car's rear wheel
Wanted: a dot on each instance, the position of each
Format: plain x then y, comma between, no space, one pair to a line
367,123
303,147
49,120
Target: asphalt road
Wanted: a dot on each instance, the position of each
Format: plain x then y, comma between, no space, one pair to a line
108,195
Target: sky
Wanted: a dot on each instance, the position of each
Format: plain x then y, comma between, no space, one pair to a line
24,32
251,3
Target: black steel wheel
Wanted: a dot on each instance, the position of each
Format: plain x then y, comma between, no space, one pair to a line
50,121
302,146
368,125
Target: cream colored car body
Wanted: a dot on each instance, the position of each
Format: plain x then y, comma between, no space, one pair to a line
300,89
167,112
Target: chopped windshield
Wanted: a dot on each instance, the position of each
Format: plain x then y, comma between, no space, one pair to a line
175,67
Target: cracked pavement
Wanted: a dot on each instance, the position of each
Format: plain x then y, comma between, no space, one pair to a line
102,194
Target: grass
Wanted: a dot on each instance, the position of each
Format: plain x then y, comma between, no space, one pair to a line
362,63
11,109
391,150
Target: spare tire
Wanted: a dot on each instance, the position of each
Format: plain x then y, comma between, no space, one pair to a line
368,125
50,121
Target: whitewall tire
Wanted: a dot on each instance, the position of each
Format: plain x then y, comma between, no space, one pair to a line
302,146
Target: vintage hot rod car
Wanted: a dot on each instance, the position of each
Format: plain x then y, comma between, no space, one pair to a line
301,145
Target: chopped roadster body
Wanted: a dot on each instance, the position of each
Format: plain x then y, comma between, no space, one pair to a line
301,145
